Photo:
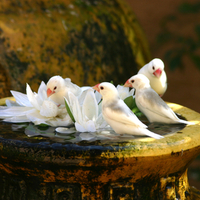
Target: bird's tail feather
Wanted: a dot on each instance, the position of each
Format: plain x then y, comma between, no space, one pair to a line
153,135
186,122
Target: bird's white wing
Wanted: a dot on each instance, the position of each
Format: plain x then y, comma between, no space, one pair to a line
72,87
150,100
67,79
119,112
144,70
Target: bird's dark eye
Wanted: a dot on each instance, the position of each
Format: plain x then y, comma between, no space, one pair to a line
101,87
55,88
153,68
132,81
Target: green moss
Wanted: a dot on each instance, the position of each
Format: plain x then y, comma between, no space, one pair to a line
87,41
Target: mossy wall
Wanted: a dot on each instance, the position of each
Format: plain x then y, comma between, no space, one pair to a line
88,41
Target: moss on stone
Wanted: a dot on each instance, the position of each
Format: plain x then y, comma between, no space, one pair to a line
88,41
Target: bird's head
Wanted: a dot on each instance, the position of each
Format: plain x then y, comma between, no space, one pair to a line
156,67
54,85
137,81
107,90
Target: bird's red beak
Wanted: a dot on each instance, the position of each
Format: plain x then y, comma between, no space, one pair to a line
50,92
96,87
127,84
157,73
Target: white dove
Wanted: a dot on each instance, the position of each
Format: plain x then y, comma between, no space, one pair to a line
57,89
154,71
118,115
150,103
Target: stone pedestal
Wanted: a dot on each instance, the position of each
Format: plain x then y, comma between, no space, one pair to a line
141,168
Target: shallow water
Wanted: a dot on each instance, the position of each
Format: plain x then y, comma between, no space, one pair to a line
32,133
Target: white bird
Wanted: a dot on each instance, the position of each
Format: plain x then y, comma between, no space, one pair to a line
154,71
57,89
118,115
150,103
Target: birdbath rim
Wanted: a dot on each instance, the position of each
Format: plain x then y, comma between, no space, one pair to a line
182,140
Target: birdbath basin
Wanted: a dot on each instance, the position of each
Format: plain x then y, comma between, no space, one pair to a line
53,167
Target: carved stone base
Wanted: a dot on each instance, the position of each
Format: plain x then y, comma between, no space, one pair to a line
170,188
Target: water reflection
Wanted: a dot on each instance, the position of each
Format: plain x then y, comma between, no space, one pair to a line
29,131
72,135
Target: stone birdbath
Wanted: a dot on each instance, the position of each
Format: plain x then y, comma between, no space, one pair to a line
52,167
38,40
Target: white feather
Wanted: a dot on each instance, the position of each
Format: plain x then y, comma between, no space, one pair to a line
118,115
150,103
60,88
159,84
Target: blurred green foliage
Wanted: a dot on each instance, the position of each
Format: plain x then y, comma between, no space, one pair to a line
187,7
183,44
